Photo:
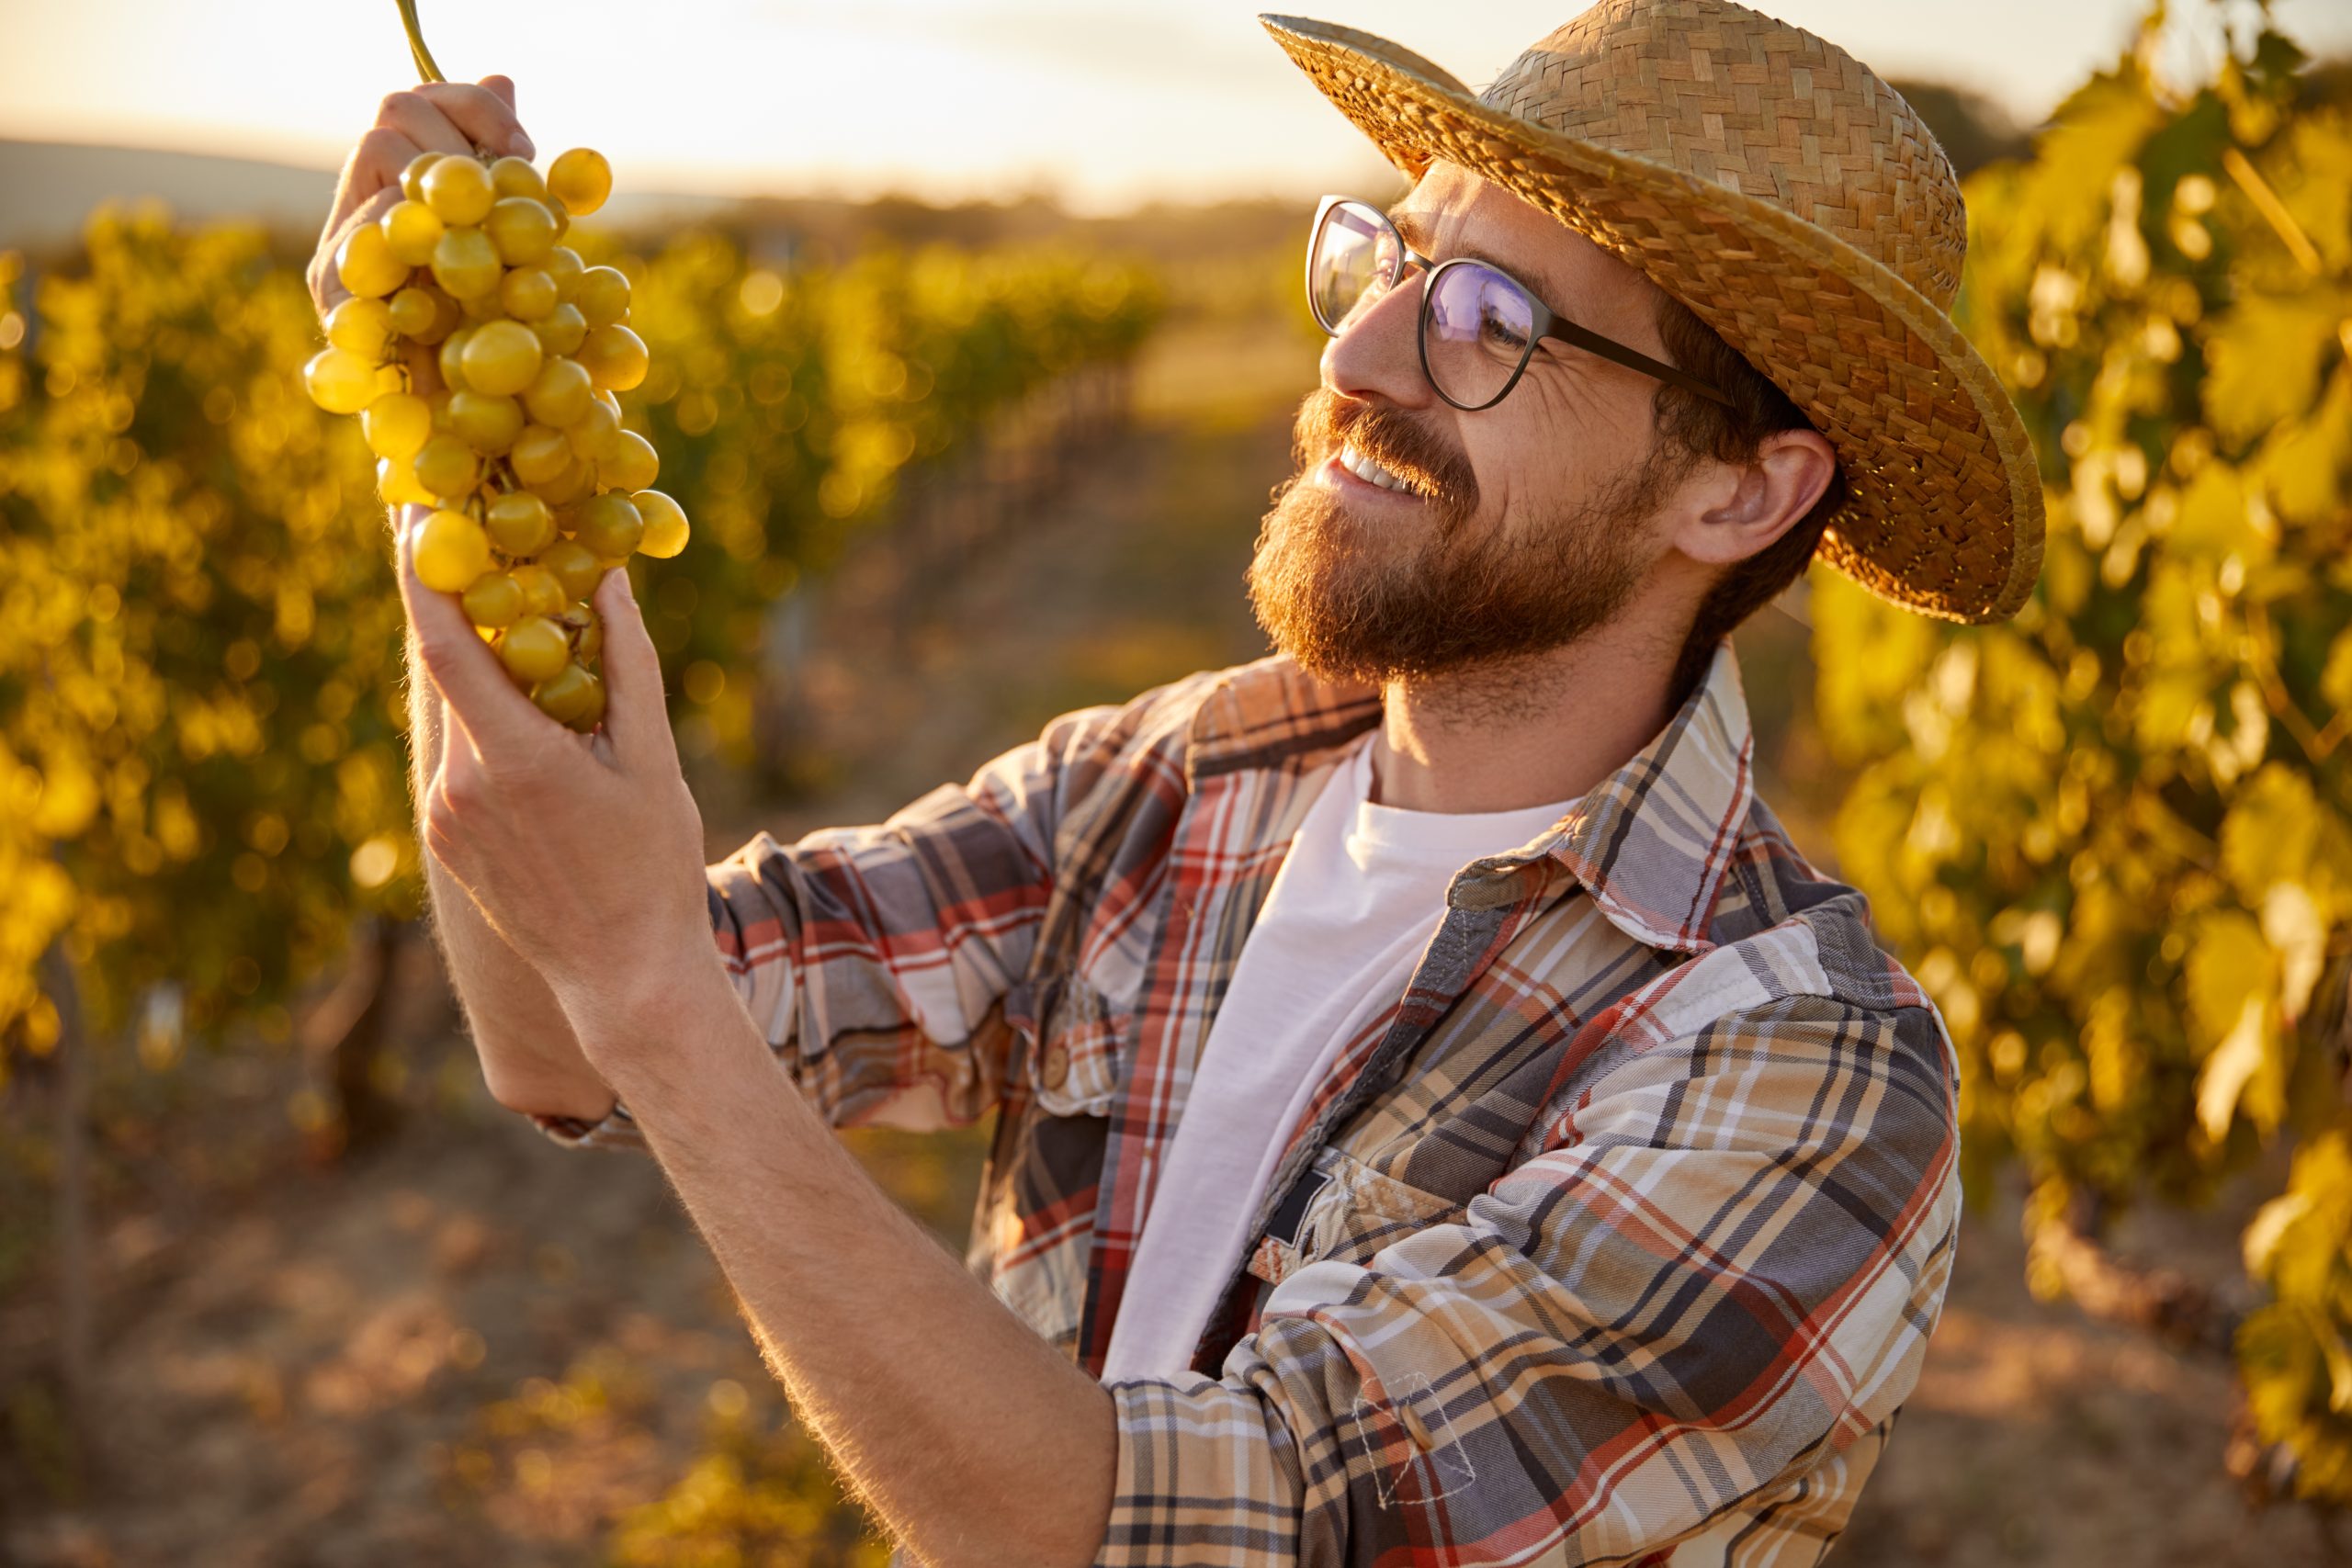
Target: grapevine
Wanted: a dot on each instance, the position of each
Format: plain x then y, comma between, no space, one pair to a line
200,759
2114,837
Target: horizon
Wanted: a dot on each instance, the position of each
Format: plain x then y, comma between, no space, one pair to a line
942,101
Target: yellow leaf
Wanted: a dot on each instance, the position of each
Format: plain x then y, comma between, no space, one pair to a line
2306,462
2269,834
2227,1071
2300,1235
2291,922
2263,360
2270,1227
2097,130
2216,520
2231,974
2315,182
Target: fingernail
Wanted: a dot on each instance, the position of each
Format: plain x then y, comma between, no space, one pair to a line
520,146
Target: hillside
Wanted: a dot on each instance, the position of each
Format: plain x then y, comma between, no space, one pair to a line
53,186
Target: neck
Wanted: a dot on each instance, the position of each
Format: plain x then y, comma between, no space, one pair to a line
1529,731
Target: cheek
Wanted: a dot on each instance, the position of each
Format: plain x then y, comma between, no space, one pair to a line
1544,447
1525,453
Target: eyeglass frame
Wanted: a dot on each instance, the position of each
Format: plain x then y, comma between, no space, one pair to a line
1544,320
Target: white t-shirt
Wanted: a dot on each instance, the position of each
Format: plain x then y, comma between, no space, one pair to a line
1350,912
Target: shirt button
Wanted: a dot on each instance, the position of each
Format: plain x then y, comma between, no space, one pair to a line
1420,1430
1056,1065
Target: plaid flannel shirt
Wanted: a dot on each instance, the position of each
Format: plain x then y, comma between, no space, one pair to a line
1621,1242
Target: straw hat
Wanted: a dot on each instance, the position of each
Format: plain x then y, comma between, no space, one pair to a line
1770,182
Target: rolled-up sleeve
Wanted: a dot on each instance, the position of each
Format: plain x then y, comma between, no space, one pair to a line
1720,1279
875,960
615,1130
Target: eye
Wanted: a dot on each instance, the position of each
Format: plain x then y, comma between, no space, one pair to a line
1498,331
1505,320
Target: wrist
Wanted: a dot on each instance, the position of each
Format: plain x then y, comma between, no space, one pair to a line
660,1023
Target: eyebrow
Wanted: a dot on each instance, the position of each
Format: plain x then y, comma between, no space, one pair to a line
1416,231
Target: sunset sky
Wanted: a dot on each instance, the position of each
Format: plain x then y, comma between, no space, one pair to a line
1106,103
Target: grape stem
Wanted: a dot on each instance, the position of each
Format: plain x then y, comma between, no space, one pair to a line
426,68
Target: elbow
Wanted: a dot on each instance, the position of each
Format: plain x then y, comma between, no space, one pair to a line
581,1097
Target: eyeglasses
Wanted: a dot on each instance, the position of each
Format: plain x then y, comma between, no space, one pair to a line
1479,325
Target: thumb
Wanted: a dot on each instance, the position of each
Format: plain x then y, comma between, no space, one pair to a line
634,713
503,86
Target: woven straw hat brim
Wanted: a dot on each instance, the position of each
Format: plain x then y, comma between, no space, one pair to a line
1944,515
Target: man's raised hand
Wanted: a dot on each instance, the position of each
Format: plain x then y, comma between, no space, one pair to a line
433,117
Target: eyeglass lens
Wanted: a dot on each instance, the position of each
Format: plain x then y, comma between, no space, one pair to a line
1354,259
1476,322
1475,327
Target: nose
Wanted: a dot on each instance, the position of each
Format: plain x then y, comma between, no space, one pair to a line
1376,356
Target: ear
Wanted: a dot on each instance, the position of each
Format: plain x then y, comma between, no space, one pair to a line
1748,505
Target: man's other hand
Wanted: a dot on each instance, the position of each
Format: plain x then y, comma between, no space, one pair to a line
584,853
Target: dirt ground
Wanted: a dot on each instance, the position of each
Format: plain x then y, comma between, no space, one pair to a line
472,1347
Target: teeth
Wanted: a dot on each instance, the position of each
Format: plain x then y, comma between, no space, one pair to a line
1370,472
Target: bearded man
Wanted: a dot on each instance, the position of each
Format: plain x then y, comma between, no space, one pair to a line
1438,1117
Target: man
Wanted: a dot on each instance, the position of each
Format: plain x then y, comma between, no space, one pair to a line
1439,1116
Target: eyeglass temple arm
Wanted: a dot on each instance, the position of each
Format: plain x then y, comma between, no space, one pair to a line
1631,360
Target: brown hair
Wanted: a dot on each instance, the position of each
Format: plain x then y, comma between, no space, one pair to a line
1703,428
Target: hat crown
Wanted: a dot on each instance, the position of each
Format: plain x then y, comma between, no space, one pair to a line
1758,107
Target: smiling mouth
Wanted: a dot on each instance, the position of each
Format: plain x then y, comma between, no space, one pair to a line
1362,467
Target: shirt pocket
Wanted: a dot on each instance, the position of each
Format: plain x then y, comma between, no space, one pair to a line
1069,1036
1354,1212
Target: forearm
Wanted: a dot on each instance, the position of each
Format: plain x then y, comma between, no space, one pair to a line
530,1057
974,1441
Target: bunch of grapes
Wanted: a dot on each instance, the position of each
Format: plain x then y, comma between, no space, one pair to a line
537,491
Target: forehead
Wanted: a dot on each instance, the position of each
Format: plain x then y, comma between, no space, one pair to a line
1451,211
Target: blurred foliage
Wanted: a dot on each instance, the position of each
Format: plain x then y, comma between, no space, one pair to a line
758,1493
201,771
2112,836
200,778
753,1498
787,407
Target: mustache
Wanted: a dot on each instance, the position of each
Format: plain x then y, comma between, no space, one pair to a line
1328,422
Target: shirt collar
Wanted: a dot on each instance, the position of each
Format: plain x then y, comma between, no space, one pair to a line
1650,843
1272,713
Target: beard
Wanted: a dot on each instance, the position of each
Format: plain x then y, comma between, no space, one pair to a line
1337,594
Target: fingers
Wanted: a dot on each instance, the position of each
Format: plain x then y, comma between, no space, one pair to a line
421,120
484,116
441,813
634,713
458,802
433,117
375,163
401,519
385,152
498,719
374,166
